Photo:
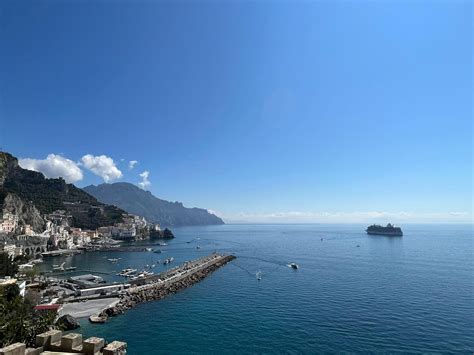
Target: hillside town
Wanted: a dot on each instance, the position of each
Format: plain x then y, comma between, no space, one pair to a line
21,239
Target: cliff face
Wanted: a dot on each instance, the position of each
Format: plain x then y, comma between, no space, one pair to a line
137,201
32,195
26,211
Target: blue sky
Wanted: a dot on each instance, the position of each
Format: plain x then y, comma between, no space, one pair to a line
262,111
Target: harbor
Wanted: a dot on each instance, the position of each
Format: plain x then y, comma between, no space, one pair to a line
97,297
166,283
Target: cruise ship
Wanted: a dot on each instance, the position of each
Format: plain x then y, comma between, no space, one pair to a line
389,230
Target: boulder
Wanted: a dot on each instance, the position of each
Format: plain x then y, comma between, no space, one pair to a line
67,322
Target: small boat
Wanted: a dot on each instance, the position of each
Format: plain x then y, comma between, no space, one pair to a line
70,268
157,251
188,242
114,260
59,267
258,275
97,319
294,266
148,249
162,244
198,247
167,261
127,272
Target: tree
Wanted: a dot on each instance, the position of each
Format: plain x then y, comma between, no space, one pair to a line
7,266
19,322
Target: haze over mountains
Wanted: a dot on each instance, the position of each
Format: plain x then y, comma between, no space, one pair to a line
143,203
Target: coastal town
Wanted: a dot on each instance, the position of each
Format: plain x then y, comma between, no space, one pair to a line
66,257
59,235
66,294
26,249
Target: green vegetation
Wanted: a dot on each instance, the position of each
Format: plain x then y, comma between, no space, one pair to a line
19,322
7,266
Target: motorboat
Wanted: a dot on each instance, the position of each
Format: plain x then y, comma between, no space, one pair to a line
97,319
113,260
294,266
127,272
59,267
167,261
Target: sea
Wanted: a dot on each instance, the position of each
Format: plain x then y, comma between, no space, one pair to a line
352,293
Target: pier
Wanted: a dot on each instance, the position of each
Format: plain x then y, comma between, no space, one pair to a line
169,282
61,252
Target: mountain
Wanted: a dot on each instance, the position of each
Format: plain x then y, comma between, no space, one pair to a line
30,195
137,201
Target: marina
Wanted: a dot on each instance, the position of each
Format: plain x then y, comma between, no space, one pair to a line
97,300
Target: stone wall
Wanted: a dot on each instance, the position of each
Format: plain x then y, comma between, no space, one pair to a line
54,340
159,291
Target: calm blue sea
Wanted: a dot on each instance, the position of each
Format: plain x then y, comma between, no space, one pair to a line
353,292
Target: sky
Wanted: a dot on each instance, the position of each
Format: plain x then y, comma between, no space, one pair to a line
261,111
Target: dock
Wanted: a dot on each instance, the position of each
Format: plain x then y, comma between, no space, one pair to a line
169,282
61,252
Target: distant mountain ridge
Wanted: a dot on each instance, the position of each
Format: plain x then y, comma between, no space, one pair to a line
143,203
29,195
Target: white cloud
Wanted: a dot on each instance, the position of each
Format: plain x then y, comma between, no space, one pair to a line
145,183
350,217
132,163
54,166
102,166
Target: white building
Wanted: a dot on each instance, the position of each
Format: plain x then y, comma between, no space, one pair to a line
10,249
9,222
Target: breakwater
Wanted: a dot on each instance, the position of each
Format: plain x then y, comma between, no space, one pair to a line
168,283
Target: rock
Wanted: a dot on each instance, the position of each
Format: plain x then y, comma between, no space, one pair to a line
67,322
27,212
167,234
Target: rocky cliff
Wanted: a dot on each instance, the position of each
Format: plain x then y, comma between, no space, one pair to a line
26,211
137,201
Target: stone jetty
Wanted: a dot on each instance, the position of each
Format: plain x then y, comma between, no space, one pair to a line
168,283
